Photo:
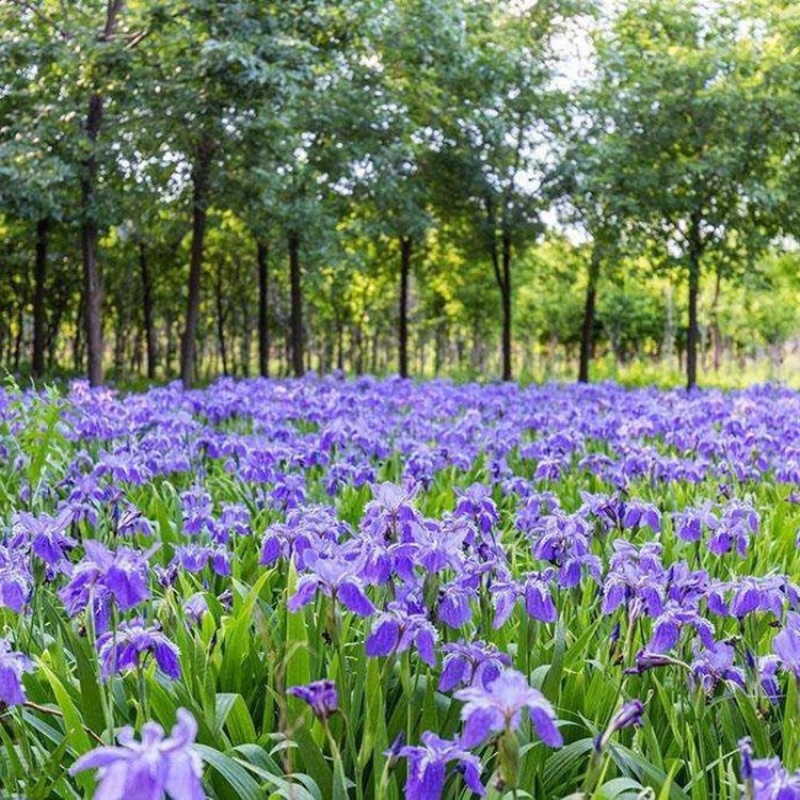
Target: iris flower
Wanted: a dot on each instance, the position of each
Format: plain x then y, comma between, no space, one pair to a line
151,769
499,707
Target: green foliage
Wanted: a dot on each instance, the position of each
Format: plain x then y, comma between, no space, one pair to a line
480,139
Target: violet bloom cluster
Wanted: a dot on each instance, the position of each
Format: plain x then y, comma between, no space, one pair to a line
151,769
430,575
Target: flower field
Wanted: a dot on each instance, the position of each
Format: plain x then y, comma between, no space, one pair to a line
374,589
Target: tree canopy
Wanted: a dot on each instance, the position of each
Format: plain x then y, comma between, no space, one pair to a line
487,189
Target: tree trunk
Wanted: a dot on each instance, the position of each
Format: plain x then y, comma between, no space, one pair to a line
340,345
405,272
223,348
296,297
92,286
587,329
200,195
692,340
77,341
18,339
716,331
501,264
92,283
262,255
505,292
39,314
147,309
246,332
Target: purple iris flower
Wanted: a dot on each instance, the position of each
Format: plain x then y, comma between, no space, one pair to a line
289,491
320,695
471,664
130,644
12,667
454,607
391,513
749,594
638,514
121,574
670,623
539,598
475,502
768,677
46,534
195,558
84,499
427,767
234,520
647,660
738,524
129,521
197,510
16,581
306,529
499,707
629,715
714,665
150,769
196,607
685,586
636,579
786,645
397,628
336,577
767,778
505,591
439,545
690,523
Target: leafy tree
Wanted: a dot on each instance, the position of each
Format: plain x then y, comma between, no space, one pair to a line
501,136
689,121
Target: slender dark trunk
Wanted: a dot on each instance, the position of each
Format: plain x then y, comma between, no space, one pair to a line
92,284
587,329
223,348
200,196
501,264
247,332
147,309
506,299
692,340
262,255
171,345
716,331
405,273
19,337
39,314
296,293
92,279
77,341
340,345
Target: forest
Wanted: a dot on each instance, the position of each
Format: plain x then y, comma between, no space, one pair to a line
493,189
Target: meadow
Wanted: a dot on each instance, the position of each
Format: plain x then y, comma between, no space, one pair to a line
377,589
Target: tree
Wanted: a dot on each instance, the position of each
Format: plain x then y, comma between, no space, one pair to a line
501,134
689,120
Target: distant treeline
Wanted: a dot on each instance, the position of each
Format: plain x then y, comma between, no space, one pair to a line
465,187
